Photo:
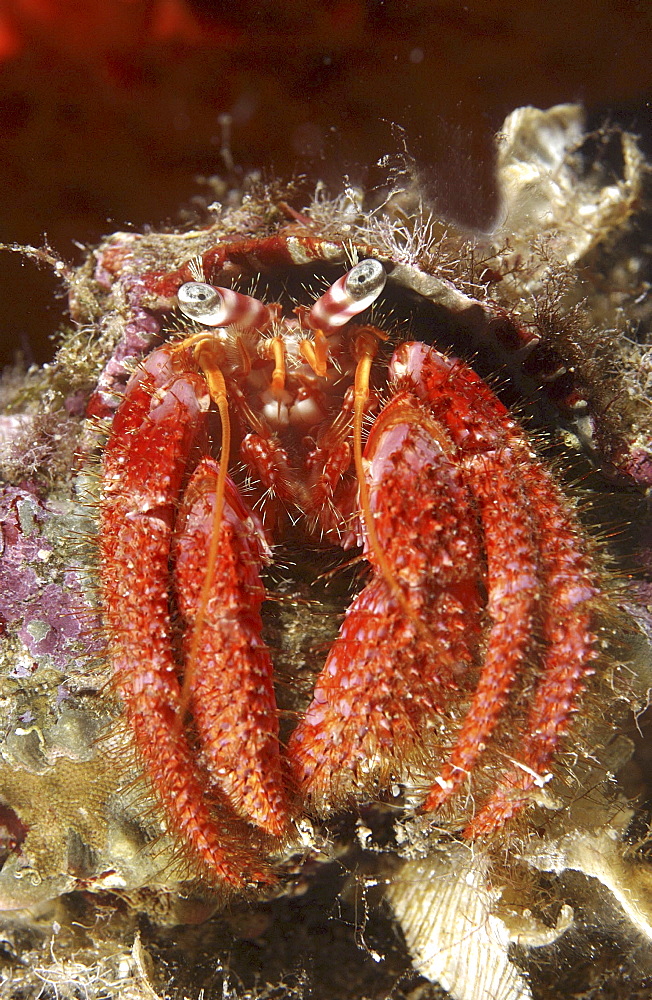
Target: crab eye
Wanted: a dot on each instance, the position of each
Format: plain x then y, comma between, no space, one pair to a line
201,302
212,306
350,295
365,281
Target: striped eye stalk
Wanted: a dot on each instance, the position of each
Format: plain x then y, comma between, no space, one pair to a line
351,294
212,306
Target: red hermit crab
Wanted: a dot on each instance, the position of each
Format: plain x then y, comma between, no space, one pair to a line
474,618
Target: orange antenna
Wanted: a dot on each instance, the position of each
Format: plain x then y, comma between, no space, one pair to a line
206,357
277,353
315,352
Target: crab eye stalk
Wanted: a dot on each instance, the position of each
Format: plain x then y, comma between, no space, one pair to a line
350,295
212,306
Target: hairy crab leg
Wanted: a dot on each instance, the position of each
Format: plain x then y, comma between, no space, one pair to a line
571,649
327,463
144,464
232,694
513,587
480,426
384,680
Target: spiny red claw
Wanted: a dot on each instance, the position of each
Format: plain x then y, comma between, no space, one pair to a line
389,676
144,463
232,690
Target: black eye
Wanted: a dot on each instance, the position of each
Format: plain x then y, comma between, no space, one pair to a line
366,278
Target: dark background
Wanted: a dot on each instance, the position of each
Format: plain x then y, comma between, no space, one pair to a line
110,109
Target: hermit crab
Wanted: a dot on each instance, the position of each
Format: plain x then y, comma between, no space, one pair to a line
471,633
285,482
